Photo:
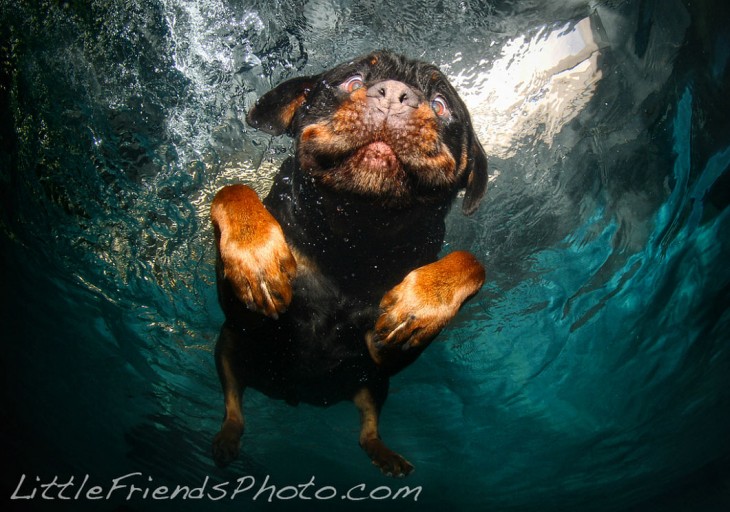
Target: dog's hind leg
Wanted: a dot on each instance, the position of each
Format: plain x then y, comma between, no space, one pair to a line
389,462
226,443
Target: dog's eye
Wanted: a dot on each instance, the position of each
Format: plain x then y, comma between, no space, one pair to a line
352,84
439,106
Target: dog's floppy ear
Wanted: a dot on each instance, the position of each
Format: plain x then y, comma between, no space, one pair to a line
274,112
476,177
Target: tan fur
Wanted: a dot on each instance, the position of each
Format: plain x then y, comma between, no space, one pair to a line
255,256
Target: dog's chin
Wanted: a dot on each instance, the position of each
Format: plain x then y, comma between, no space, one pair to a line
371,171
377,159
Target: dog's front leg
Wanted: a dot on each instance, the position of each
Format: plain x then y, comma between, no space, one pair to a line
255,257
415,310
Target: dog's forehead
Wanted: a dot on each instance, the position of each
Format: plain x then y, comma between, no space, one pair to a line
380,66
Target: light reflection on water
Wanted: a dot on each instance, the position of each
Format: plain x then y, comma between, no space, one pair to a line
536,86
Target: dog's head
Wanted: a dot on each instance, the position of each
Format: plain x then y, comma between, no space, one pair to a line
381,126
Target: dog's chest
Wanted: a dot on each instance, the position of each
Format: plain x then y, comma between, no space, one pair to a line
362,248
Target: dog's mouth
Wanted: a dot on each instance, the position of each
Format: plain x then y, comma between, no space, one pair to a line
350,153
370,169
374,157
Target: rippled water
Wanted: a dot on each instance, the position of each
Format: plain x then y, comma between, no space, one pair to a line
589,374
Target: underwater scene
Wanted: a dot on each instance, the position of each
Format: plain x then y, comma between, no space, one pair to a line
590,373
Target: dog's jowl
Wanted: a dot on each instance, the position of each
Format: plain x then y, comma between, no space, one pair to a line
333,283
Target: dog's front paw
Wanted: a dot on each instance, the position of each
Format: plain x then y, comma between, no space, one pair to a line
226,444
261,270
255,258
389,462
416,310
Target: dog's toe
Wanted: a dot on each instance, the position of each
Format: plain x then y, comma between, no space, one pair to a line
225,451
385,459
397,467
226,446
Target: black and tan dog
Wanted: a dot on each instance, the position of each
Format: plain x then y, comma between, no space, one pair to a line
333,283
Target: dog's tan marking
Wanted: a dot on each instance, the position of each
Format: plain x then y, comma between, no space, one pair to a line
416,309
256,258
389,462
464,160
416,145
227,443
290,110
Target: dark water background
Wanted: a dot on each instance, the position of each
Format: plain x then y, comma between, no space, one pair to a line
591,372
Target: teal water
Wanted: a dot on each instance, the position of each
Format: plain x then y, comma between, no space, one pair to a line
589,374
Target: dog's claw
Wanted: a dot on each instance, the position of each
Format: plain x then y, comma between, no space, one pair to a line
414,311
390,463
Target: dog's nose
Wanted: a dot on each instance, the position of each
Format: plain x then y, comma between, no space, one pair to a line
393,95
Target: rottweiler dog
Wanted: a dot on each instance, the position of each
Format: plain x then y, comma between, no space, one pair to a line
333,283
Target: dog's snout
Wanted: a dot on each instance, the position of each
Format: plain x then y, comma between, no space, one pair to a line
393,95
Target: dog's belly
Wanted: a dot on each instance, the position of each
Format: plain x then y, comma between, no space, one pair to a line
315,352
